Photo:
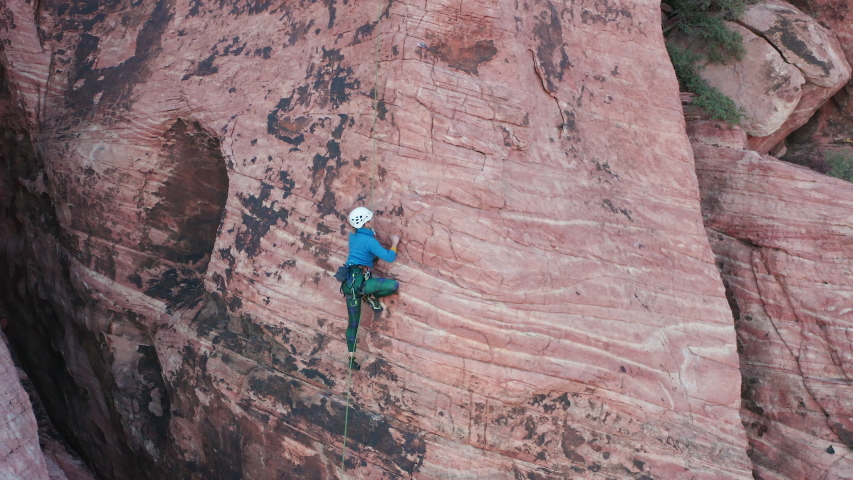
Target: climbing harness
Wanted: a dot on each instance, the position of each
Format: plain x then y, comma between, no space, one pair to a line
372,187
354,282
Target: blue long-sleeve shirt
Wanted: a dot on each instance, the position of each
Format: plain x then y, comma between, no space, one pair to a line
364,248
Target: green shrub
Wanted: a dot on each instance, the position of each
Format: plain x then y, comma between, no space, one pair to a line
705,20
713,101
840,163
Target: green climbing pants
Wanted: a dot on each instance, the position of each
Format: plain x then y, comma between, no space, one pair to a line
355,288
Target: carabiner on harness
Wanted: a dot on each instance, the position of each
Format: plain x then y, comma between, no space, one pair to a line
356,290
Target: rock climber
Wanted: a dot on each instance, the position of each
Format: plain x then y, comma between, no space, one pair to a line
360,285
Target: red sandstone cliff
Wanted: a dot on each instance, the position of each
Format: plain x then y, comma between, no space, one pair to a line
176,176
783,248
831,128
20,454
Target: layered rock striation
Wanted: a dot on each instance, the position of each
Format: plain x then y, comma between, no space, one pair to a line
783,249
20,454
781,234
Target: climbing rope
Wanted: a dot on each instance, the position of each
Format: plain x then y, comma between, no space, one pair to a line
375,99
346,416
372,187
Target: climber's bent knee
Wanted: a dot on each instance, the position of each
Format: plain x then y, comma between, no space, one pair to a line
381,287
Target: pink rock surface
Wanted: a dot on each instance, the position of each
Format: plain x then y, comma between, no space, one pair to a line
716,133
791,67
783,245
800,40
804,43
813,98
179,218
62,462
63,465
20,454
766,86
832,125
834,16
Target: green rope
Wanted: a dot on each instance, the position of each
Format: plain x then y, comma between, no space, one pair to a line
346,419
372,187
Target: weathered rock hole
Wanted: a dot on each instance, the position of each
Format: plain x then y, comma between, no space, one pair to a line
182,226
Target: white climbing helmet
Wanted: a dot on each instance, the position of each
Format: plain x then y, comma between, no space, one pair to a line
360,216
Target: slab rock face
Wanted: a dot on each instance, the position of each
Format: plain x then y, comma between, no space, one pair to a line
179,173
27,412
20,453
783,246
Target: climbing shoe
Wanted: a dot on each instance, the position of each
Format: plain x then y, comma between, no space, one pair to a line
353,365
374,303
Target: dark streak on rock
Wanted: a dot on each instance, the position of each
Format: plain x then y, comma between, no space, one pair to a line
180,289
238,7
549,31
340,84
564,401
241,335
153,398
225,254
730,297
569,122
331,83
572,439
287,184
264,53
455,53
330,4
313,373
405,449
323,229
339,130
605,11
286,129
259,220
363,32
604,167
324,174
114,84
203,68
784,32
529,428
844,435
606,203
